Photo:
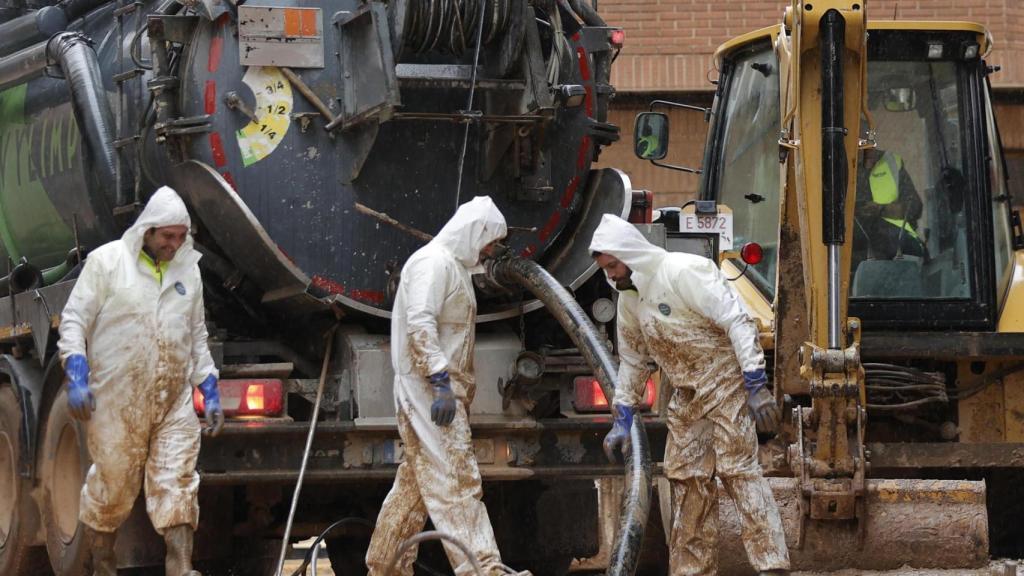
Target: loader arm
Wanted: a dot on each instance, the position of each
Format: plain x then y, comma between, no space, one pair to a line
822,94
823,55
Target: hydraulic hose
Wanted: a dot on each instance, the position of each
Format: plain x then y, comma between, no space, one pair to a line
560,303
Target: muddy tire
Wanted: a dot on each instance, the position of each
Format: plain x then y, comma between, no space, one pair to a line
17,510
65,461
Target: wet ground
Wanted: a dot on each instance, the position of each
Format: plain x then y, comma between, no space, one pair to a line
997,568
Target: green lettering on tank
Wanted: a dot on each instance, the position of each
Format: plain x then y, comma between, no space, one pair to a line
30,151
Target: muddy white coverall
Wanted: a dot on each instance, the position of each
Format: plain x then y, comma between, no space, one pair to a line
433,330
686,317
145,341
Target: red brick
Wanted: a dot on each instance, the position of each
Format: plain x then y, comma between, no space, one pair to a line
674,34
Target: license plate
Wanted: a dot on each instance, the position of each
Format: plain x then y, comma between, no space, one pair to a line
720,223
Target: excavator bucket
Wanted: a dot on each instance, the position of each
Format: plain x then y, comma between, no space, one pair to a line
920,523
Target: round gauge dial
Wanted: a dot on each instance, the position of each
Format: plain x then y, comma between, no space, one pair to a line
529,366
603,310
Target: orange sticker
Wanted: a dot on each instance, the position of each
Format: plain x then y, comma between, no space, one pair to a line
309,23
292,21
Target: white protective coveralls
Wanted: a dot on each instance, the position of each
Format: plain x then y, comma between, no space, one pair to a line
433,325
146,345
686,317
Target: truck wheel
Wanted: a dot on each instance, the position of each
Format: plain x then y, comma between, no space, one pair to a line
64,464
17,558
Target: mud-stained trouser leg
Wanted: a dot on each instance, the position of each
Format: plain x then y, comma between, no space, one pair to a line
693,542
690,467
741,475
401,517
451,487
760,522
171,480
172,484
118,447
446,473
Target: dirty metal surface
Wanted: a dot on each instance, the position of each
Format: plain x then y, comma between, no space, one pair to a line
920,523
947,455
506,450
942,345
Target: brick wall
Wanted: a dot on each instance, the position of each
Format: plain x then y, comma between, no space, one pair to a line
669,43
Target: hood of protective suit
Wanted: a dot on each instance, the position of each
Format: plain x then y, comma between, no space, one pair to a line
475,224
165,208
616,237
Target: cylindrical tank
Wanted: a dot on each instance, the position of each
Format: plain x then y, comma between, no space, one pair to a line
398,150
47,174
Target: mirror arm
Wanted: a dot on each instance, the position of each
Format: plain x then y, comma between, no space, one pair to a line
679,168
670,104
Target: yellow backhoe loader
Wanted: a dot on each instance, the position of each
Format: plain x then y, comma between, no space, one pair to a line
863,158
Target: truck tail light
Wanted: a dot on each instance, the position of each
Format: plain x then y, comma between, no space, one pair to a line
588,396
246,397
617,38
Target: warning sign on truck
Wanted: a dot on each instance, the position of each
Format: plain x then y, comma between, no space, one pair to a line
273,36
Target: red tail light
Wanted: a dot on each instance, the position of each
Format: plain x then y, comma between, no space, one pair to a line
617,38
250,397
588,396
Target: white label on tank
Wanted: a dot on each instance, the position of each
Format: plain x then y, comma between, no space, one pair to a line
256,140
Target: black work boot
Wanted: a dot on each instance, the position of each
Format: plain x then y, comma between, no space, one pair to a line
179,551
101,545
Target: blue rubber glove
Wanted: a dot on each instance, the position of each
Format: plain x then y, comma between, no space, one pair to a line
618,437
762,404
80,400
211,406
442,411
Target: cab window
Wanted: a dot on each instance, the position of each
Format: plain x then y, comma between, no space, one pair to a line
746,172
910,227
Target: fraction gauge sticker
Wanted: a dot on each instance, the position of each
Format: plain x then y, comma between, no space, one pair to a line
257,140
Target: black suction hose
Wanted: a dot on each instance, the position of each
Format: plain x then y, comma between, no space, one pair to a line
636,501
91,107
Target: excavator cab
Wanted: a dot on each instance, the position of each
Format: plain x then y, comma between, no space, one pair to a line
864,159
931,241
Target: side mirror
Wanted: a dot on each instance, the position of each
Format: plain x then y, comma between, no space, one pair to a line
650,136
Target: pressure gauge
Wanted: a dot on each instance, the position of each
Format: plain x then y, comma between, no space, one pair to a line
529,367
603,310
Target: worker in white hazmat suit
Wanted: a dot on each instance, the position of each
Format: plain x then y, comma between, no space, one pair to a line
679,311
432,338
133,343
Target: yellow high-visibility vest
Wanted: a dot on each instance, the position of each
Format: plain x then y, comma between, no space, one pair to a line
885,187
884,179
157,268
